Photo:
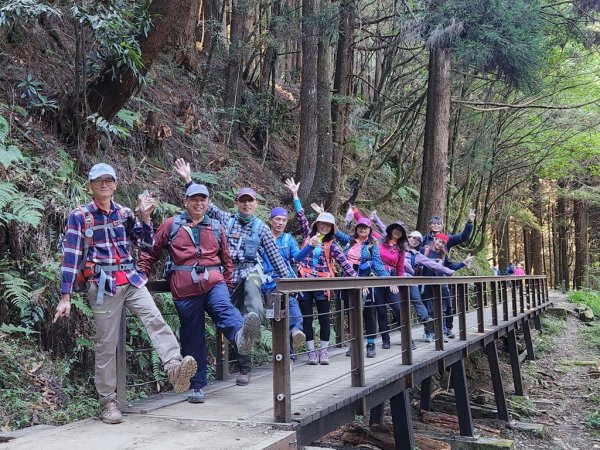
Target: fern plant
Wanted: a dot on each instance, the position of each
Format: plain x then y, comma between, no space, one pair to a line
15,290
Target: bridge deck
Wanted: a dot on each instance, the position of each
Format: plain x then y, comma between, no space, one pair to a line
242,417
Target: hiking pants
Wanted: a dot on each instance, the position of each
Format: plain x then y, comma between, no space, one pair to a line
107,318
383,297
323,310
247,297
191,311
369,313
446,307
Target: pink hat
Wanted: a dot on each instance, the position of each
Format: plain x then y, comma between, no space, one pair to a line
364,221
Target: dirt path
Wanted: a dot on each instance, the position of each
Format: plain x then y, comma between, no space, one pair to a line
563,393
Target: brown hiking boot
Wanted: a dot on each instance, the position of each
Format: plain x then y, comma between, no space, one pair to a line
180,372
243,378
109,413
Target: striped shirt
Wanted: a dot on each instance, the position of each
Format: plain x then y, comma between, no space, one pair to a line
239,232
110,245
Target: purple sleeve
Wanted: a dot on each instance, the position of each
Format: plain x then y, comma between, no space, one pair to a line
432,264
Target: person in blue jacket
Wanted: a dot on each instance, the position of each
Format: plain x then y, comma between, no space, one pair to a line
290,252
437,251
362,251
436,225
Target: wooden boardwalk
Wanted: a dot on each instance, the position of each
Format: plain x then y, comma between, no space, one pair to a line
322,397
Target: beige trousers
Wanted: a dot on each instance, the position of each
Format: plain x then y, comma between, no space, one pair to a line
107,318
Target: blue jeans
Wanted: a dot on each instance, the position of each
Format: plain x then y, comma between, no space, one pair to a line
227,318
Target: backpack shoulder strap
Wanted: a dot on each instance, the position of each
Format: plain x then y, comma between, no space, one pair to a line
88,232
216,227
327,252
256,224
174,229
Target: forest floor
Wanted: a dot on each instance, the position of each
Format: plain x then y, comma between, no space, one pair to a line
562,401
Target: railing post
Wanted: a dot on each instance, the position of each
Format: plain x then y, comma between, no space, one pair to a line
339,321
405,331
122,362
494,285
528,293
461,302
357,360
282,403
546,295
515,310
438,324
504,300
479,293
521,297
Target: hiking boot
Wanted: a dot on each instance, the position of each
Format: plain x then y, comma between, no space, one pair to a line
180,372
371,353
386,345
196,396
428,337
312,359
298,338
413,345
450,334
446,339
110,413
250,332
243,377
324,357
348,352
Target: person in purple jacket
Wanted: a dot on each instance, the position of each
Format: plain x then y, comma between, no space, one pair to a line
438,252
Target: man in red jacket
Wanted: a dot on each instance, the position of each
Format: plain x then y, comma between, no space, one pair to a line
199,270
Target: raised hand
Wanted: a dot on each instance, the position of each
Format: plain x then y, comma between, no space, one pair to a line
472,215
315,240
293,187
394,289
468,260
183,169
317,208
349,216
146,205
373,214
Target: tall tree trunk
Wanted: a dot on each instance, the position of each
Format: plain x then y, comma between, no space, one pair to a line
527,249
432,199
322,183
563,243
536,233
234,84
307,145
503,239
341,84
107,94
581,243
555,249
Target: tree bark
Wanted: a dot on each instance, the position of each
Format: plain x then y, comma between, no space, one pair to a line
503,240
341,85
307,145
234,83
322,182
563,243
581,244
107,94
535,237
432,200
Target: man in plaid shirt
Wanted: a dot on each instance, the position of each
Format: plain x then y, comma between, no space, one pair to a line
114,282
247,238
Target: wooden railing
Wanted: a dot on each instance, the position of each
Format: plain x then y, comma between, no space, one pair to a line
507,297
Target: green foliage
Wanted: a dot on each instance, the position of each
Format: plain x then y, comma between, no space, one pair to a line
588,297
32,91
15,290
551,326
117,27
492,35
25,11
522,405
104,126
594,420
131,118
11,329
9,154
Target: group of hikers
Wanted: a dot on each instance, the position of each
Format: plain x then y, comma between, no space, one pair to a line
225,264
